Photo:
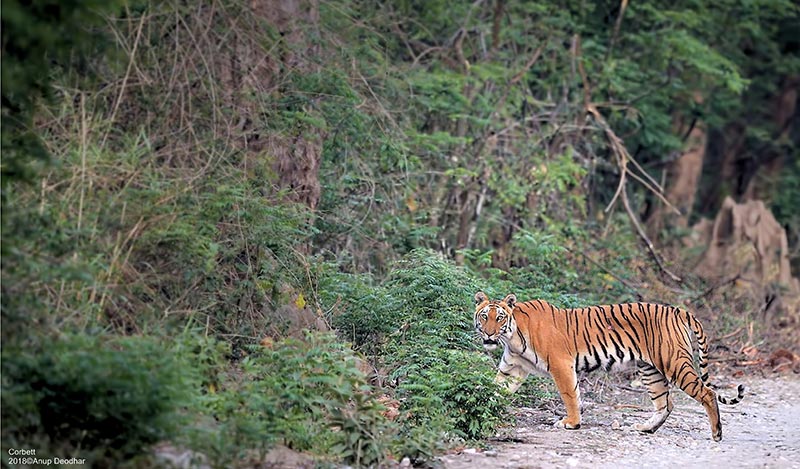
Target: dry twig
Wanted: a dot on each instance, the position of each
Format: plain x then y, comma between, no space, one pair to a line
124,80
623,157
644,237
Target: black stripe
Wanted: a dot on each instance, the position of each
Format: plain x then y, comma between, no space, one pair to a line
524,342
610,363
617,345
624,330
660,395
630,322
596,321
586,339
603,348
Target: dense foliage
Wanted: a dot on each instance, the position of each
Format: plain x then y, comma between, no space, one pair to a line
233,226
110,397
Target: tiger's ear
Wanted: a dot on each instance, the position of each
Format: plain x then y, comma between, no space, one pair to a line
510,300
480,297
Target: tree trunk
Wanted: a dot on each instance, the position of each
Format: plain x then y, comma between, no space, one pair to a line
683,178
296,158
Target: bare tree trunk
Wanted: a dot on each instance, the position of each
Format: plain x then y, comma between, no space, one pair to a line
682,179
295,158
497,19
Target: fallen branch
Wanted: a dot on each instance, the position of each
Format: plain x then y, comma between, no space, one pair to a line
751,362
623,158
728,336
723,360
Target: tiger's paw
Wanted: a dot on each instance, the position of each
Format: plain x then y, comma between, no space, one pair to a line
644,428
567,425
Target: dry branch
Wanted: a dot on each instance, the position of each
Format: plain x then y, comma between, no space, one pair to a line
644,237
497,17
622,156
124,80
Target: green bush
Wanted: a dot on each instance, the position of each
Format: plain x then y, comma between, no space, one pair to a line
305,394
359,315
109,399
420,325
422,287
445,382
452,391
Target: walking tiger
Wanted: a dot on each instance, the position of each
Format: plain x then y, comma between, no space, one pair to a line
538,337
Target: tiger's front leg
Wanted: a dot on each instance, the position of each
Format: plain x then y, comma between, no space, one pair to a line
567,383
510,376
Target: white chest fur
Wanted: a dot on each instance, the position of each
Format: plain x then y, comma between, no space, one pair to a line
528,360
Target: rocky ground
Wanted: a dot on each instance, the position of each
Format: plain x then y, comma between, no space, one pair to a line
761,431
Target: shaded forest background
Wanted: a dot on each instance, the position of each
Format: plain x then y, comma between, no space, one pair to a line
232,226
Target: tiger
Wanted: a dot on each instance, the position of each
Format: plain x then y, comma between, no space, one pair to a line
540,338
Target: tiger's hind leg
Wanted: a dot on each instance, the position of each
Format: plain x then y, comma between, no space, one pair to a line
658,391
692,385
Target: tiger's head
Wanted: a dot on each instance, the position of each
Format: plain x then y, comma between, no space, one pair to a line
494,319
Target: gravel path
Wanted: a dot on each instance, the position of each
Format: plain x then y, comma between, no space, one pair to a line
761,431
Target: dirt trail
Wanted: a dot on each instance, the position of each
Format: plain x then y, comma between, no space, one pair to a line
761,431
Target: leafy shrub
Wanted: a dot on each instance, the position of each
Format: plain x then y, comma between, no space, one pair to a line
539,272
305,394
360,314
110,398
431,299
421,319
451,391
444,381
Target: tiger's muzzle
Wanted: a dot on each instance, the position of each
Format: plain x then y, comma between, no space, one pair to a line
490,344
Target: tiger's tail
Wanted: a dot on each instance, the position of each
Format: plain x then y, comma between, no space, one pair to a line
702,345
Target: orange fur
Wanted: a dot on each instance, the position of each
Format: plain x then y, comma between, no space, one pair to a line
537,336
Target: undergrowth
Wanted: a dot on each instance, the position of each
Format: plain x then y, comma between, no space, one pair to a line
189,187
